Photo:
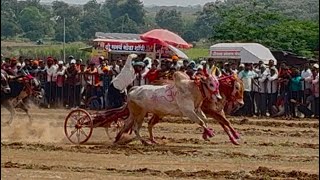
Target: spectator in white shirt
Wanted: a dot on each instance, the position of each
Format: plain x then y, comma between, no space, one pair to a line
306,73
60,81
272,88
50,87
262,98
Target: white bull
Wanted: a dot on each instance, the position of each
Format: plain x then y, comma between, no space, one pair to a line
183,97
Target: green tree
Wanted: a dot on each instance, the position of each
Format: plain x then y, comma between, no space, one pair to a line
72,15
171,20
124,24
9,28
32,23
134,10
95,19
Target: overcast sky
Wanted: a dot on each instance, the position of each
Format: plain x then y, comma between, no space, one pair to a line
149,2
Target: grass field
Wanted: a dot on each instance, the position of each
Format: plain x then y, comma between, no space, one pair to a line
28,49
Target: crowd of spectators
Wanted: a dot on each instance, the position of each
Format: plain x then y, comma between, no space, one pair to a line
268,90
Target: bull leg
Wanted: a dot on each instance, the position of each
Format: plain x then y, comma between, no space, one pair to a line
137,126
220,117
24,107
205,133
9,106
195,118
107,132
126,128
153,121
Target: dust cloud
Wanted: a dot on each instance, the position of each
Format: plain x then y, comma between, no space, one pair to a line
21,130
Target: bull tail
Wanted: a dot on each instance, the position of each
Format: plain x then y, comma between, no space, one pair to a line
126,128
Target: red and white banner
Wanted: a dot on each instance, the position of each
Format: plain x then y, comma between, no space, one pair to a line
127,46
233,54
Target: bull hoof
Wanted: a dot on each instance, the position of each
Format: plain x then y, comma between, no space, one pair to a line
234,141
145,143
153,141
236,135
210,132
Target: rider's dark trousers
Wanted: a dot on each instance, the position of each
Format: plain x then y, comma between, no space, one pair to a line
115,97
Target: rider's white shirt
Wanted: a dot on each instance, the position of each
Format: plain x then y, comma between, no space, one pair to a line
125,77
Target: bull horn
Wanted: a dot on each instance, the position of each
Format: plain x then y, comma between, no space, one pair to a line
218,96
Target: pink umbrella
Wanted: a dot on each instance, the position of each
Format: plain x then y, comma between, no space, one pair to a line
165,38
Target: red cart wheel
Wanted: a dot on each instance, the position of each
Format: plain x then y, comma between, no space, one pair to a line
78,126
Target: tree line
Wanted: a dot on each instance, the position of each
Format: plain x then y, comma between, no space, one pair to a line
278,24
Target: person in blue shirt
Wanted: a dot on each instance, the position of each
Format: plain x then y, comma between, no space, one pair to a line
295,87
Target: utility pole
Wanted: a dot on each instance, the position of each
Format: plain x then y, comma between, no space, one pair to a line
64,39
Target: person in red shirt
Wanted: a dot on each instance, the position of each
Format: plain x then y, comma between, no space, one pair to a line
152,75
93,81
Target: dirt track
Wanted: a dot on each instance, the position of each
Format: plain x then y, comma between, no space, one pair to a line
269,149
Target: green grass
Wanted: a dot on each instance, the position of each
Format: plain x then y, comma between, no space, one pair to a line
196,53
43,51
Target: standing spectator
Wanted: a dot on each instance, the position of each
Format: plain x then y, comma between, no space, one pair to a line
138,67
247,77
305,86
120,63
262,98
60,82
163,72
227,71
272,88
284,82
93,80
295,90
175,60
27,65
42,74
34,68
152,75
314,80
271,64
240,68
234,68
50,88
114,69
71,79
83,83
78,64
213,69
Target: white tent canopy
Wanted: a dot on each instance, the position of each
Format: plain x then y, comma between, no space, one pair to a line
246,52
178,52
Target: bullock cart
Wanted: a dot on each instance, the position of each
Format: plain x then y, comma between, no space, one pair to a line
79,123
